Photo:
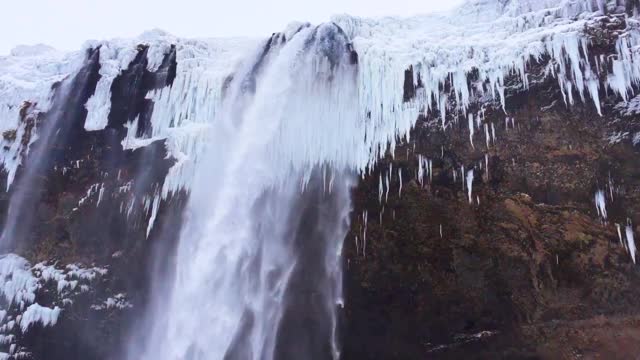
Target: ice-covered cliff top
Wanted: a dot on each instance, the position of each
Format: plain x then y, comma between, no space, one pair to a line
496,38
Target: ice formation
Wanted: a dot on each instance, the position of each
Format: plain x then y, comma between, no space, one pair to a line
484,36
601,204
619,231
489,37
39,314
253,120
631,244
469,184
400,181
118,301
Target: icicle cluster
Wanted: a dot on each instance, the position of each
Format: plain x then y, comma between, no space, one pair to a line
485,38
456,59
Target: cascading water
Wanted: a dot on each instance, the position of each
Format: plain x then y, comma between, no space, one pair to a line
258,262
67,105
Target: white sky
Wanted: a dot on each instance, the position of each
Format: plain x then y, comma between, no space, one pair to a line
66,24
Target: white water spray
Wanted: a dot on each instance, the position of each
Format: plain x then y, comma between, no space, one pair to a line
261,232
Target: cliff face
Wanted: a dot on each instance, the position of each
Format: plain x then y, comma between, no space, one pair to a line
92,204
526,268
515,260
529,260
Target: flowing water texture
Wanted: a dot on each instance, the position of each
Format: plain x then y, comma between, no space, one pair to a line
52,129
258,267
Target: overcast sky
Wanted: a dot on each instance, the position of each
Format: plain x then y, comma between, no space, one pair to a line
66,24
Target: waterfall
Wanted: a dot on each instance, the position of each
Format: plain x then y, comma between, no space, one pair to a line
258,266
67,108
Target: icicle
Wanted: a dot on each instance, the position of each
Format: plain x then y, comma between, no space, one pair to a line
380,189
425,165
154,213
471,130
386,195
39,314
100,194
324,179
430,170
630,241
331,180
441,231
400,180
469,184
420,170
619,233
486,135
486,164
600,204
493,133
365,216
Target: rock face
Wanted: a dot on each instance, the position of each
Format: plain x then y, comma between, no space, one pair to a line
513,261
527,268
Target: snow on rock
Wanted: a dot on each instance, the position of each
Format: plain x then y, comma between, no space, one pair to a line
118,301
113,59
617,137
115,56
20,284
19,281
629,108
